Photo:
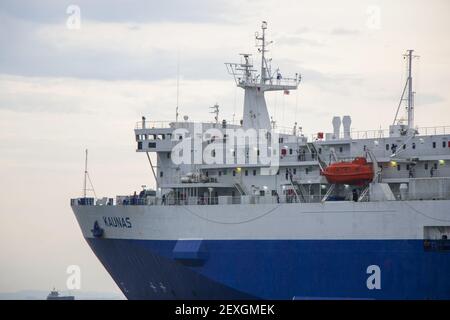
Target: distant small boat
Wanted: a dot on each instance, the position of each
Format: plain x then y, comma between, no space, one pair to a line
356,172
54,295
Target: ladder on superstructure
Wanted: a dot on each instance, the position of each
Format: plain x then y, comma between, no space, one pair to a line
313,150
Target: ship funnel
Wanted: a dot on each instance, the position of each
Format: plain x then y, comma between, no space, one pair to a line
346,121
336,127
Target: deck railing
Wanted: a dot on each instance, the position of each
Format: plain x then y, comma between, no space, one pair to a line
246,199
379,134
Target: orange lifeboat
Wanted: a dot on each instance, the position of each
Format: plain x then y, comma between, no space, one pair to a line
356,172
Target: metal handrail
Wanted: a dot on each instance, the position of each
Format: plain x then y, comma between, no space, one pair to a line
246,199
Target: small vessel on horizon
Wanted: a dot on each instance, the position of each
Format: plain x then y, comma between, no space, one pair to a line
54,295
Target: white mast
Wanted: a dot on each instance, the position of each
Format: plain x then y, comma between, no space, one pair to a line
178,85
85,174
410,107
410,95
255,113
263,51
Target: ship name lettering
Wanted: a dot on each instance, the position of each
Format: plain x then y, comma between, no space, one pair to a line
117,222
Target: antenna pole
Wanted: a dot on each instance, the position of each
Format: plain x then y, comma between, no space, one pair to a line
410,92
263,50
85,174
263,71
178,85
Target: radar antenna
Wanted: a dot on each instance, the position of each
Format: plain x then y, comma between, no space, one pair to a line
178,86
216,112
255,113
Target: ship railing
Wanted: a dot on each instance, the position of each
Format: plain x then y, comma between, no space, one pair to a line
433,131
255,82
379,134
246,199
243,199
153,124
183,124
415,196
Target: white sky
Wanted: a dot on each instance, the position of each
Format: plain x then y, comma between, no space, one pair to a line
63,90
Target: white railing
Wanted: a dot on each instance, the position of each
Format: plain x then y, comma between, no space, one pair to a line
245,199
153,124
378,134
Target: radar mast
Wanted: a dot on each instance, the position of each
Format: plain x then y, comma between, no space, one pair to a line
255,113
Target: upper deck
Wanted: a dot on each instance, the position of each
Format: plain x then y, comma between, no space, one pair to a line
255,161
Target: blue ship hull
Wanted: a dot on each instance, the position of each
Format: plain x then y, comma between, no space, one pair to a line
274,269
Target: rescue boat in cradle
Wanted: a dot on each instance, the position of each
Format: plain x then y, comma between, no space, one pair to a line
356,172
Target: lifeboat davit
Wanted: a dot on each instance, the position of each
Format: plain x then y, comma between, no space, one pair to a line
356,172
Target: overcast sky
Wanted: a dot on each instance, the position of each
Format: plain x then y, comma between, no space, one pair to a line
63,90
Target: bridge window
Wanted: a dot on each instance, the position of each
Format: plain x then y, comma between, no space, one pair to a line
434,144
152,144
444,144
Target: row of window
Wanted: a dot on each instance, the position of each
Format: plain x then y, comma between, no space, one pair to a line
288,172
425,166
293,171
254,172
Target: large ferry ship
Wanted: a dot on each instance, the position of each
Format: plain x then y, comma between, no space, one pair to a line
249,210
